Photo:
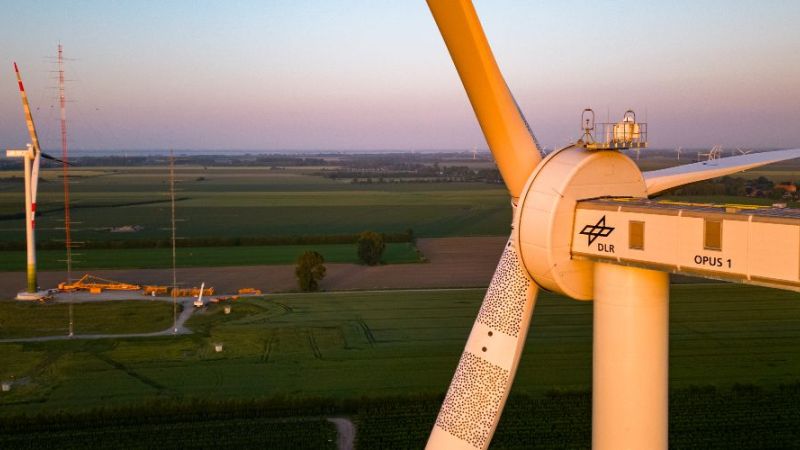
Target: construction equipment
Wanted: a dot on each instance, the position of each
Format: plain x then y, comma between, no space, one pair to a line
192,292
199,302
155,290
96,285
249,291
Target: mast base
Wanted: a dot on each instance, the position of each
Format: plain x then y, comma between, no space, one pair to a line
33,296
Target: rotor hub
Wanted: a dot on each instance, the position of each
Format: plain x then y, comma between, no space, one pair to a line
546,213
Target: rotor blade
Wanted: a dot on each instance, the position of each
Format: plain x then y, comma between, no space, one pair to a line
52,158
663,179
28,117
506,131
34,184
485,373
538,147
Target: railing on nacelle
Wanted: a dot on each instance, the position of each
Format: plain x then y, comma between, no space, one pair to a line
625,134
740,243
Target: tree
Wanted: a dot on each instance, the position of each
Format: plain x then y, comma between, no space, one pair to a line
410,233
370,247
309,271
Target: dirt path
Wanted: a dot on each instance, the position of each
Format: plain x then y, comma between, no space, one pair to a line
453,262
347,432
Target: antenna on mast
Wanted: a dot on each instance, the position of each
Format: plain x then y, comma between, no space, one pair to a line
174,272
62,101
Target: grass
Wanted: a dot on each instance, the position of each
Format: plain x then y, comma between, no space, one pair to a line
374,344
395,253
24,319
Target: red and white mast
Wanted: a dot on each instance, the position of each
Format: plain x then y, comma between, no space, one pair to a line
62,100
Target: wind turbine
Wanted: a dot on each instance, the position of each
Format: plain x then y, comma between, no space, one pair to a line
549,248
31,156
678,151
717,152
714,153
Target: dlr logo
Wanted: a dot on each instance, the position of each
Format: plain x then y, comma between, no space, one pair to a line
607,248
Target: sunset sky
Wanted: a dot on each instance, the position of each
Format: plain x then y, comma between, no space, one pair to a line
362,75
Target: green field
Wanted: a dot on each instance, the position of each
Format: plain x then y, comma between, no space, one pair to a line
722,199
385,359
132,258
741,417
348,345
251,202
257,202
173,432
25,319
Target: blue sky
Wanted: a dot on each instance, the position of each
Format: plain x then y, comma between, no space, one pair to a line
376,75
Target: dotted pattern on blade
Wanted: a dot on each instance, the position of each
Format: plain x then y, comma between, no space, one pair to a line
473,400
505,300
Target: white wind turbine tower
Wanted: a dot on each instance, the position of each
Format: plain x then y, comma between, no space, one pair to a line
678,151
31,157
583,227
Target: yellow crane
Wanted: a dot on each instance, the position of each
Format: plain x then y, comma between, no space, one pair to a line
96,285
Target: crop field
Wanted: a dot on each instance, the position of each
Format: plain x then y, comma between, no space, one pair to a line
135,258
25,319
742,417
385,359
348,345
122,203
177,432
722,199
250,202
